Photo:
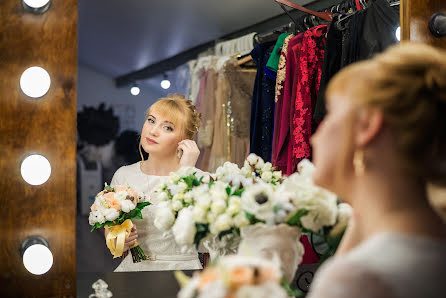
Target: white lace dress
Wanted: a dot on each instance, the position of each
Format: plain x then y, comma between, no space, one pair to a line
163,250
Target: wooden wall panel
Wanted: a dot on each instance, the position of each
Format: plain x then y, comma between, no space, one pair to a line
46,126
414,19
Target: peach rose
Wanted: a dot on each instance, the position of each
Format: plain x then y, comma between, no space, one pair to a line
120,188
266,274
208,275
100,194
93,207
241,276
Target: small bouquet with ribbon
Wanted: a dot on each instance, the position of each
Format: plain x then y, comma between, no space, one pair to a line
237,276
114,208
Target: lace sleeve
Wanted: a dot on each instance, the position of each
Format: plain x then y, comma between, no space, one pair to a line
339,279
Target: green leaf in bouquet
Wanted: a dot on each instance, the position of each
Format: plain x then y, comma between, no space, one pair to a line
228,190
202,232
141,205
239,192
100,225
290,291
252,219
294,220
108,188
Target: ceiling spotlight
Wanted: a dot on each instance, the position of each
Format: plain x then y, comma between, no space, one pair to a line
36,255
35,169
135,90
398,33
165,83
36,6
35,82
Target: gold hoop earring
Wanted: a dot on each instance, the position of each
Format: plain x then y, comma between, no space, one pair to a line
358,162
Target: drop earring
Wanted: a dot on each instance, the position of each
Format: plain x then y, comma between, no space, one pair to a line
358,162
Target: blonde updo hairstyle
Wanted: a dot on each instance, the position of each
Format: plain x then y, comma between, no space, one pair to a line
408,84
180,111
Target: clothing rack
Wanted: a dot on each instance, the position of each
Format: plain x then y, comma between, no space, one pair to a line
160,67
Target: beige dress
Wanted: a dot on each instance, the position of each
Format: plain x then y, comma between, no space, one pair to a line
163,249
387,265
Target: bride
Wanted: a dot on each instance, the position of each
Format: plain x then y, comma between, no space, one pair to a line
171,124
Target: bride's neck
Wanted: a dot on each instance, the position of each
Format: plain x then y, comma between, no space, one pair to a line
159,165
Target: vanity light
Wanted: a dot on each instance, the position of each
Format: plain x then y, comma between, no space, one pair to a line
36,255
398,33
36,6
35,169
35,82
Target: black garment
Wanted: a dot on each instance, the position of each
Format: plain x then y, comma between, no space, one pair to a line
332,64
380,23
262,105
366,33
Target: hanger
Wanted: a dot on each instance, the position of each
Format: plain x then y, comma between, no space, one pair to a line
243,60
328,16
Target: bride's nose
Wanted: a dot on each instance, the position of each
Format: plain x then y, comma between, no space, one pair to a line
154,130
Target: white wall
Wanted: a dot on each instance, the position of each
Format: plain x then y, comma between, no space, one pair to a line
94,87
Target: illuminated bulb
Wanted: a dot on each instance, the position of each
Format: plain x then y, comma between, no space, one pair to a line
398,33
35,169
165,84
35,82
134,90
38,259
36,3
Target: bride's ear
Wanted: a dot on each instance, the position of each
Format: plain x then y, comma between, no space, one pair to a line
368,125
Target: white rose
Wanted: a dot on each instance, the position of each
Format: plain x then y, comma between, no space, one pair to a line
203,201
174,177
162,196
184,229
182,187
186,171
260,163
176,205
164,216
173,188
206,179
120,195
267,167
211,217
344,214
178,197
267,176
218,206
252,159
222,223
96,217
199,214
240,220
111,214
188,197
305,168
127,206
277,175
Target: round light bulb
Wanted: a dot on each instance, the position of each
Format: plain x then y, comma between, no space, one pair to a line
398,33
38,259
135,90
36,3
35,169
165,84
35,82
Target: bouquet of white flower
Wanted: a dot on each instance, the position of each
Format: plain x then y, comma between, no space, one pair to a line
236,276
114,207
193,207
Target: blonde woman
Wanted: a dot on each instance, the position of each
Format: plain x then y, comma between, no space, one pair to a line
167,136
382,141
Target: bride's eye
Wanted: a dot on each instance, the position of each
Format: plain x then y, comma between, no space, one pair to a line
168,128
151,121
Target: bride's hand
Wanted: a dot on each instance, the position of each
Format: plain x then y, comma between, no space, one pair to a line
190,153
131,239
